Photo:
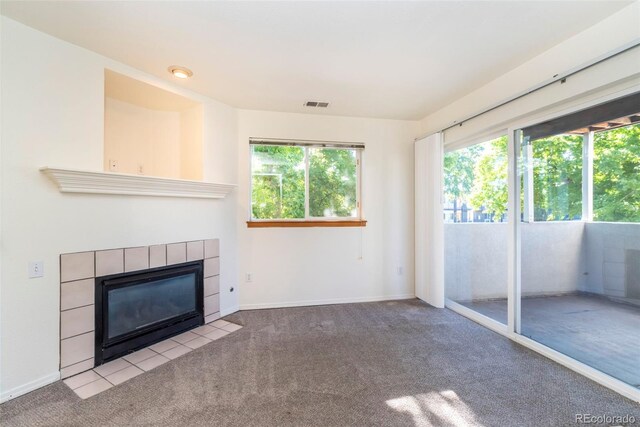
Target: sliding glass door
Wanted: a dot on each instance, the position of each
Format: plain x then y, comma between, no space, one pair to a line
475,229
542,237
579,236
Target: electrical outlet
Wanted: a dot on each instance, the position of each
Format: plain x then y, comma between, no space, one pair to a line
36,269
400,271
249,277
140,169
113,165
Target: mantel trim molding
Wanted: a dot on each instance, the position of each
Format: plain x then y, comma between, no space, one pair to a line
92,182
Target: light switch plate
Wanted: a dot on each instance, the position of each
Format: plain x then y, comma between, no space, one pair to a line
36,269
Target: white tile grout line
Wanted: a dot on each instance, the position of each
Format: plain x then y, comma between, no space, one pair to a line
226,324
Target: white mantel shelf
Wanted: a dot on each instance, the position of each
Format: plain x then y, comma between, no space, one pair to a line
81,181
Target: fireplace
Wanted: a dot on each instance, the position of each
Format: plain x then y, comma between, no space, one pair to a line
78,297
134,310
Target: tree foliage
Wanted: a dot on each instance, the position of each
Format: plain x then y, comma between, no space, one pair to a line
478,175
332,182
278,182
557,178
490,188
459,171
616,175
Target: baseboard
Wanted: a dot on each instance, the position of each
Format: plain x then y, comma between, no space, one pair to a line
30,386
325,302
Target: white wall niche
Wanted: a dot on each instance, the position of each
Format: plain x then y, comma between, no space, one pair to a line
151,131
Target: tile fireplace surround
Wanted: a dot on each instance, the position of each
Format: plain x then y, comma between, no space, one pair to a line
77,287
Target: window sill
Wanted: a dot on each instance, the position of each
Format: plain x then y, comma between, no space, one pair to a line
299,224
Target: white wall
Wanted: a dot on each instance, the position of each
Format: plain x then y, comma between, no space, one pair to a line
191,129
305,266
163,143
616,74
136,136
552,257
557,257
56,119
476,259
606,246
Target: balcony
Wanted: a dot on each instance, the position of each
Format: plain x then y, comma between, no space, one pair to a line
580,286
573,192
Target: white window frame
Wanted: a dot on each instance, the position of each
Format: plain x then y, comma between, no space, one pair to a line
306,145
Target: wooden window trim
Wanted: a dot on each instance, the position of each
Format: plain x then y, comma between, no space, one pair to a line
307,223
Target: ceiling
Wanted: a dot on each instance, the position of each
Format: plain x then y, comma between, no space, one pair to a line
398,60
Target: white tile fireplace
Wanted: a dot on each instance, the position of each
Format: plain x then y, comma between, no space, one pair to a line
78,273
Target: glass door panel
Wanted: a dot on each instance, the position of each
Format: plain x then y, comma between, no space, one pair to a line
579,274
475,229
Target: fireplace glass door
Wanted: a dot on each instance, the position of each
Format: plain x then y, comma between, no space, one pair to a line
134,310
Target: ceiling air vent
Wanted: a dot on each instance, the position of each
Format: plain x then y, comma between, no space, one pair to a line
316,104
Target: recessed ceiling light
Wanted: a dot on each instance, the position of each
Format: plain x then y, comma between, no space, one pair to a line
180,72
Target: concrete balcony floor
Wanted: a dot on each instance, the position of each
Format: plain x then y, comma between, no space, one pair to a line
592,329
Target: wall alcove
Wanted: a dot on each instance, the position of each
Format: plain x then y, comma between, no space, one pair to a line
150,131
153,146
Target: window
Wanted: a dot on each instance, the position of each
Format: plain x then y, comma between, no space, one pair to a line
475,183
557,178
584,166
305,181
616,174
559,170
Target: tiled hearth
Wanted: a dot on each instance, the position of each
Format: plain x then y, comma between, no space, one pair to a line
116,372
77,299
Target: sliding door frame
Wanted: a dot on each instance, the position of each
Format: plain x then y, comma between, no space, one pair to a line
515,250
514,281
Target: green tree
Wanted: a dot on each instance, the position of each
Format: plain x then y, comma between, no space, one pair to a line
278,182
616,177
332,182
459,173
557,177
490,188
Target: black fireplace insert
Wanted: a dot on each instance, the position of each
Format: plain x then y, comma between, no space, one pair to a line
134,310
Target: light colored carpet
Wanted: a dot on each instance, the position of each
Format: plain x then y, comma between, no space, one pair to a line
387,364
